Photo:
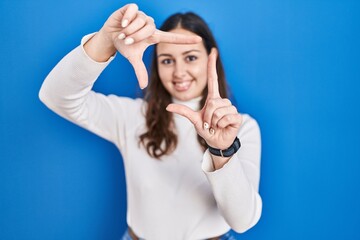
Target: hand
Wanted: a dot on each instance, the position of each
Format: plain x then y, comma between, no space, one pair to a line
131,31
218,122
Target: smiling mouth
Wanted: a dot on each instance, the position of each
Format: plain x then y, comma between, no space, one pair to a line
182,86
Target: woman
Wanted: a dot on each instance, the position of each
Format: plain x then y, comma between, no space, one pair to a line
188,176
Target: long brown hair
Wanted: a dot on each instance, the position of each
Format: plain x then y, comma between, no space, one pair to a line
160,138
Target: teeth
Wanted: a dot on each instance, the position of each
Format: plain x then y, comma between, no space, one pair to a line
182,85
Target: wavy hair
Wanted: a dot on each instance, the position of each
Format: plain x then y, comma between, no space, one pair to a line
160,138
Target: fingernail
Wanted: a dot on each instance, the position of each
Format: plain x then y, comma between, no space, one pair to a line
124,23
143,86
121,36
206,125
129,41
212,131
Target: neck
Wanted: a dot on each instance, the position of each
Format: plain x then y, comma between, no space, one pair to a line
194,103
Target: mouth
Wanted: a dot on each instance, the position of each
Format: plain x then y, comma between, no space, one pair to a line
182,86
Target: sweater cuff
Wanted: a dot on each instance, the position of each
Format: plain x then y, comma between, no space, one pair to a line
87,38
78,65
208,166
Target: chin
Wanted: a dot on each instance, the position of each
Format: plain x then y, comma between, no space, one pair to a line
185,97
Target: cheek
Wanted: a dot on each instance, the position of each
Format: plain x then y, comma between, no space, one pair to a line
164,74
200,72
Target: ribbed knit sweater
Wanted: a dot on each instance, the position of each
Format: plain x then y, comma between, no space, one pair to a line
180,196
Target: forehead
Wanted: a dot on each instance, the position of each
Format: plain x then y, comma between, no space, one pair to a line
177,49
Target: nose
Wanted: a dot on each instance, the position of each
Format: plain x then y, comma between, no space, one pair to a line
180,70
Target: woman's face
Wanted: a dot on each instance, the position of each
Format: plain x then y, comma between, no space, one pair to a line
183,68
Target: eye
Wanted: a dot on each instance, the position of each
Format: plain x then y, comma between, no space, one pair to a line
191,58
166,61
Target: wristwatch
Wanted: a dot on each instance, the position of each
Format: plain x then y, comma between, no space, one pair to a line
235,146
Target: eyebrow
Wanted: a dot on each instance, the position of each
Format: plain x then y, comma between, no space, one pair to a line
184,53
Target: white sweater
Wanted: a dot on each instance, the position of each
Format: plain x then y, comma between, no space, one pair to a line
179,197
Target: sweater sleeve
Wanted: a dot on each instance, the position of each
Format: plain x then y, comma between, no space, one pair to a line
67,91
235,185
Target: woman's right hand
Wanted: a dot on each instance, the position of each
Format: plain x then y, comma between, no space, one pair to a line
130,32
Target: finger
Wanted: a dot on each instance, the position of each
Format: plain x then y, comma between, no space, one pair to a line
219,113
168,37
144,33
140,71
230,120
129,12
187,112
119,14
138,23
209,109
213,85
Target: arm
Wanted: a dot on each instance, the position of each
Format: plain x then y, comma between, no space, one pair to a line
236,184
67,89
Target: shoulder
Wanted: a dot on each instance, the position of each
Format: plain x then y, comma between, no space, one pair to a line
249,120
249,126
126,101
128,105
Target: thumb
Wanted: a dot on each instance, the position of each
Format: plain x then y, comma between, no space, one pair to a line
140,71
186,112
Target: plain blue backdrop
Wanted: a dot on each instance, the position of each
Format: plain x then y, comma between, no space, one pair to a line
293,65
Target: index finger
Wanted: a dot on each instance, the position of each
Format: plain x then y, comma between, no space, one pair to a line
177,38
213,84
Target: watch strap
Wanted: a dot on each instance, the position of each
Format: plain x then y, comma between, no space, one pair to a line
235,146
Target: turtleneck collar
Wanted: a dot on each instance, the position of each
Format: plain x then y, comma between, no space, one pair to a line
194,103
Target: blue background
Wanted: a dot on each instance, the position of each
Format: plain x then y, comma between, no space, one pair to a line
293,65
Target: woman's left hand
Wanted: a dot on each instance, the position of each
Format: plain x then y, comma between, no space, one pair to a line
218,122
